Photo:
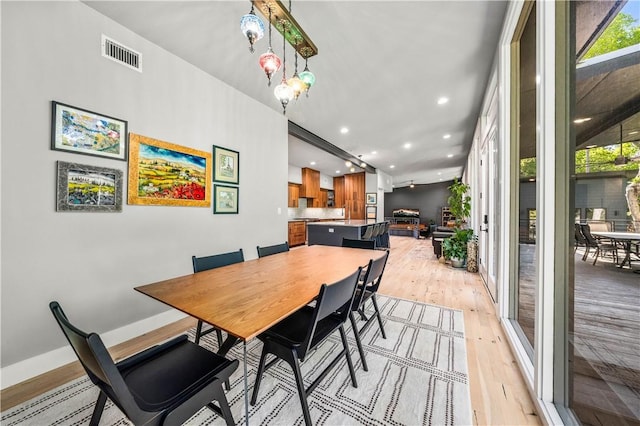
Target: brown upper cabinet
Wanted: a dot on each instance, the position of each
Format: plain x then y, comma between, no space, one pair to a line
294,194
354,193
338,190
310,183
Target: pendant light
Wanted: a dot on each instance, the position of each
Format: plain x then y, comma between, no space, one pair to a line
269,61
308,77
284,92
252,28
295,82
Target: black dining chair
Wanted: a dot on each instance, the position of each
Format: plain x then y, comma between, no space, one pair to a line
581,241
600,246
361,244
293,338
367,290
163,385
211,262
269,250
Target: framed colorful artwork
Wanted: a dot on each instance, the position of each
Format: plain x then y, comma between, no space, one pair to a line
372,198
165,174
88,188
226,165
225,199
85,132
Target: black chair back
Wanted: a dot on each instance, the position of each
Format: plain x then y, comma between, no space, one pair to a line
373,276
361,244
217,260
334,300
269,250
586,231
580,239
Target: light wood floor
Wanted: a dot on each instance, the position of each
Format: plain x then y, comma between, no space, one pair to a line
498,392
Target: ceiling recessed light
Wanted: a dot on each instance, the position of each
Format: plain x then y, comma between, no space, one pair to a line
581,120
352,169
313,163
449,155
338,171
443,100
348,163
439,173
363,164
407,145
440,179
344,130
391,166
375,152
447,136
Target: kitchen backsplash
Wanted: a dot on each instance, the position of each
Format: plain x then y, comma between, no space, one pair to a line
315,213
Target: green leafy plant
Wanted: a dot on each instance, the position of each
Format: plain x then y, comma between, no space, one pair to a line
455,247
459,201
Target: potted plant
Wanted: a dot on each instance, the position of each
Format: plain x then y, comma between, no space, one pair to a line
455,247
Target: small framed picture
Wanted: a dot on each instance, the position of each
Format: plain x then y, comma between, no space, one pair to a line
372,198
86,132
226,165
88,188
225,199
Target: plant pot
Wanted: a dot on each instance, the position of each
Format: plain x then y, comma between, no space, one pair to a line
457,263
472,256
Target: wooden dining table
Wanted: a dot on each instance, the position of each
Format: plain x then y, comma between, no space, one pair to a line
247,298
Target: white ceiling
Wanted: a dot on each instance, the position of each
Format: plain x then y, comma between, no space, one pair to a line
381,67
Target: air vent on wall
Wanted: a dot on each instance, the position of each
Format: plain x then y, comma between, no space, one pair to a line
117,52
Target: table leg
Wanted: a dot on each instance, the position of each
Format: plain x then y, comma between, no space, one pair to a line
627,254
246,387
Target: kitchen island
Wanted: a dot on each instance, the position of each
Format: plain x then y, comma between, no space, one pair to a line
332,233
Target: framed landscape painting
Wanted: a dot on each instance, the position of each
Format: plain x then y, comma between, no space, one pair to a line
88,188
162,173
226,165
86,132
225,200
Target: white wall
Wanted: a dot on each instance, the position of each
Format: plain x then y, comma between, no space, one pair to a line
91,262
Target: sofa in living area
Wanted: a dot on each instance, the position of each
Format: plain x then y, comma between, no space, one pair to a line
438,236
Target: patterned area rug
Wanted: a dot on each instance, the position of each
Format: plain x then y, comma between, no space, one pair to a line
417,375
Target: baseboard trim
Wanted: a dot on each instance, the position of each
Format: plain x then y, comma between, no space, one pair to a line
39,364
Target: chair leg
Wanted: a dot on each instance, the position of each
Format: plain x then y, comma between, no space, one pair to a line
343,335
219,336
586,253
375,305
225,410
596,255
295,366
97,410
198,332
354,326
256,386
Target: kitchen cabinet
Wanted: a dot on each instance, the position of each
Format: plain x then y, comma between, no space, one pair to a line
338,191
297,233
294,194
354,195
310,183
323,198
